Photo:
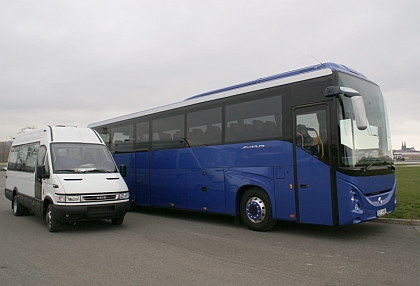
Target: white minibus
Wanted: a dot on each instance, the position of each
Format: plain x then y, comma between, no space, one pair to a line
65,174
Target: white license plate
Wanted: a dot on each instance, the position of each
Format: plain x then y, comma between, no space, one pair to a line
381,212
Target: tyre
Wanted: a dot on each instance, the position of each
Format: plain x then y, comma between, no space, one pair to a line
52,224
117,220
18,209
256,211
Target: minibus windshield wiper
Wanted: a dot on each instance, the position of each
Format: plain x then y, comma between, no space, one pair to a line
67,170
98,171
83,170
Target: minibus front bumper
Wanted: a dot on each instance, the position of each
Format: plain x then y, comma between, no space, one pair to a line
90,212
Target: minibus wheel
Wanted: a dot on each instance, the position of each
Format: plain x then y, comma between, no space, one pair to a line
256,211
117,220
18,209
52,224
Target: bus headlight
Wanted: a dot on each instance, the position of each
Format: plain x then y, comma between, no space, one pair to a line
123,196
356,207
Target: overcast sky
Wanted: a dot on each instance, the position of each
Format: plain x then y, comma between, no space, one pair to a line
78,62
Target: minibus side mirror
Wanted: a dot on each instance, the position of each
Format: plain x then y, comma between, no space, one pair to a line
40,172
123,170
356,101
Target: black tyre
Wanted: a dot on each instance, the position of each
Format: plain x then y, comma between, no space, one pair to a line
18,209
117,220
256,211
52,224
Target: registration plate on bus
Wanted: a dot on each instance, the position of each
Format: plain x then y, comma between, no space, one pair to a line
381,212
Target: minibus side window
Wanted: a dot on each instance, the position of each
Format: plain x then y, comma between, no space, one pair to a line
42,158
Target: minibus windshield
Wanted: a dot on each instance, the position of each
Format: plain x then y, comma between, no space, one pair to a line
81,158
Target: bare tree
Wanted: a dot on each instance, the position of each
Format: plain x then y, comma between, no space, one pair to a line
27,127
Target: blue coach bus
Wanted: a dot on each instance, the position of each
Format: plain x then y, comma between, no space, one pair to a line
309,146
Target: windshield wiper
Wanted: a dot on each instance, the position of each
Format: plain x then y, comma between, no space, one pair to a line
83,170
68,170
98,171
364,169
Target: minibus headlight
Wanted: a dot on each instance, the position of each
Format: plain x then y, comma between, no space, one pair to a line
72,199
123,196
61,198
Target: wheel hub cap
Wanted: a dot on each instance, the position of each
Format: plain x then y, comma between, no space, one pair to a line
255,209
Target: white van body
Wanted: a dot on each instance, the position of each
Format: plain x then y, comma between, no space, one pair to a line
65,174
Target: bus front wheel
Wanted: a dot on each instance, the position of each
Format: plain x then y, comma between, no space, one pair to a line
256,211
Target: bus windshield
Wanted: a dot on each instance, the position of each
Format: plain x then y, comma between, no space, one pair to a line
371,146
70,158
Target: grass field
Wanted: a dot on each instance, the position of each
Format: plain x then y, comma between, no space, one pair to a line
408,193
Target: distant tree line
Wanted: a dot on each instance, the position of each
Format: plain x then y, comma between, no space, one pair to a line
5,146
4,150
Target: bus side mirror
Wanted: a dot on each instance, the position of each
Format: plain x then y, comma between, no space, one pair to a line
359,112
123,170
356,101
40,172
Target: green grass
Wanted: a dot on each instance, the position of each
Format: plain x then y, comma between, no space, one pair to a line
408,193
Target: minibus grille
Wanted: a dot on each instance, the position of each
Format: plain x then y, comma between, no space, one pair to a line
100,209
99,197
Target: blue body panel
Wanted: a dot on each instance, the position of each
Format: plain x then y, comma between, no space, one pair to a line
314,189
210,178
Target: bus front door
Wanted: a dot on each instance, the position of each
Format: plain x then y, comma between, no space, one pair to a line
312,170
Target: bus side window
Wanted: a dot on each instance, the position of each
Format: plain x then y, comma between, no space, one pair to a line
310,127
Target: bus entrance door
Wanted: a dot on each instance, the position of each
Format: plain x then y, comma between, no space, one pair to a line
312,171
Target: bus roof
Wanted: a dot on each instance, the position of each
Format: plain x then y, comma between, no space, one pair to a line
319,70
332,66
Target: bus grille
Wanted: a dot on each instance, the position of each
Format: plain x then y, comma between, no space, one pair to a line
100,209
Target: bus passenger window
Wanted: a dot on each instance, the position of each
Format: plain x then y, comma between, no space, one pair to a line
204,127
168,132
122,138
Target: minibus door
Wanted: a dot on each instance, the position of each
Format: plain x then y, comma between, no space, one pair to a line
312,168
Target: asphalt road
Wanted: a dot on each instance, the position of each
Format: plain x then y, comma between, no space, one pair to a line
159,247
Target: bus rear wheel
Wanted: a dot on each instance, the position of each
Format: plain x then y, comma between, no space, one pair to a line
256,211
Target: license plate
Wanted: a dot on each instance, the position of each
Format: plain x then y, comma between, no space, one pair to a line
381,212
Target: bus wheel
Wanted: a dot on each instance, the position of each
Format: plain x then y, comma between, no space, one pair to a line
18,209
52,224
256,212
117,220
